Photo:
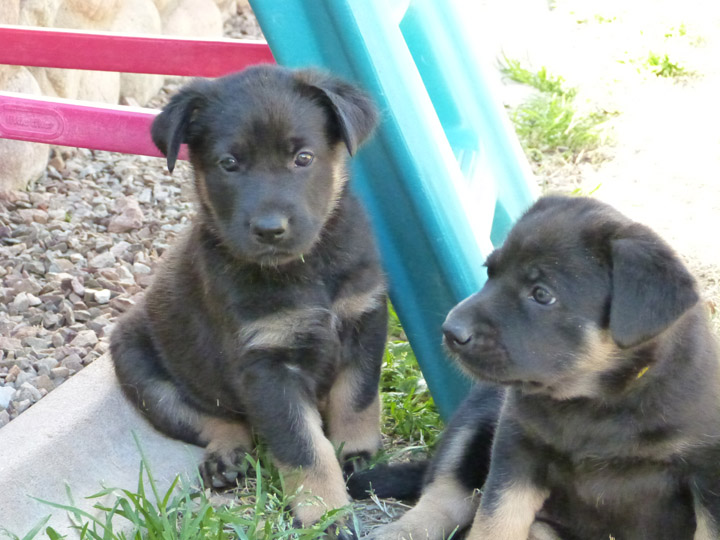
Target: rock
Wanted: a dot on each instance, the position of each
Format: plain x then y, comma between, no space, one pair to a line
4,418
196,18
61,372
43,382
72,362
103,260
27,391
129,216
20,162
23,377
10,12
24,301
13,374
86,338
6,393
22,406
102,296
138,17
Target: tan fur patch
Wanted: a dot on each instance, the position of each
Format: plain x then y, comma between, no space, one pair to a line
225,437
444,506
319,487
542,531
280,329
706,529
454,452
512,518
599,356
356,431
354,305
167,399
340,178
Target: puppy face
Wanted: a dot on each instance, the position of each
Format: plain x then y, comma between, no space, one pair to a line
268,146
571,296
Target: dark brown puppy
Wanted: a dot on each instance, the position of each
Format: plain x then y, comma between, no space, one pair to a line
270,314
610,427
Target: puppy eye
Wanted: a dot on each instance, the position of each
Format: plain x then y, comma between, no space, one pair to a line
542,296
229,163
303,159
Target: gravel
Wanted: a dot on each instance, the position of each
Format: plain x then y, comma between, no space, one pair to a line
78,248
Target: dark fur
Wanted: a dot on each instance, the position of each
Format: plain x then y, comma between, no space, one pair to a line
270,312
611,422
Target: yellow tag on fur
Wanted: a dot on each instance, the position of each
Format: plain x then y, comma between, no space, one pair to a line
643,371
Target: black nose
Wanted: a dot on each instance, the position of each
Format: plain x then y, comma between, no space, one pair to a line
457,335
269,229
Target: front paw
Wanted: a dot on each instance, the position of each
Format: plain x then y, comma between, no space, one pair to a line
222,469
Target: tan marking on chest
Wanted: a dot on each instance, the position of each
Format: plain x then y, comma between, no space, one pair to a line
281,329
353,306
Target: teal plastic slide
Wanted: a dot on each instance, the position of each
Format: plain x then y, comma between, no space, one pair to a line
444,178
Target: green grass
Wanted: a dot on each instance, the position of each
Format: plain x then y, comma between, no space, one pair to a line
540,80
260,506
662,66
548,123
184,512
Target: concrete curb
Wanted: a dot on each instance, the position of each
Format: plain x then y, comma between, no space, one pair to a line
80,434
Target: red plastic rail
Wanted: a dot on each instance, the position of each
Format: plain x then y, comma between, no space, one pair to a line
76,123
106,127
103,51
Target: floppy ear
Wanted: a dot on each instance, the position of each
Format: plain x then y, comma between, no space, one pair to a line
354,111
651,288
170,128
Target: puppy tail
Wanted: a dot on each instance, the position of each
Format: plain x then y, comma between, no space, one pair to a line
402,481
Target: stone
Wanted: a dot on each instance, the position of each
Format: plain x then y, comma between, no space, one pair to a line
103,260
13,374
138,17
20,162
102,296
85,338
6,393
43,382
72,362
194,18
27,391
129,216
4,418
61,372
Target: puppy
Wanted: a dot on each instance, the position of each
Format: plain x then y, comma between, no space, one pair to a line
610,426
269,315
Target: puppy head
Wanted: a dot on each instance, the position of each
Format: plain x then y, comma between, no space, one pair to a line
576,290
268,146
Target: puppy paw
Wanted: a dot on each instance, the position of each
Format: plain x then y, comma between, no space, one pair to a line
223,469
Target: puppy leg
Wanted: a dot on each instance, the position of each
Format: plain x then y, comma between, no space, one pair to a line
458,470
511,496
355,431
352,413
282,412
146,383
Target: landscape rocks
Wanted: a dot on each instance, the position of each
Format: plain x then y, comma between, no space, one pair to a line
75,252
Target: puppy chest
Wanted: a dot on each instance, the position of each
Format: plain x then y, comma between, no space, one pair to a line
614,486
288,329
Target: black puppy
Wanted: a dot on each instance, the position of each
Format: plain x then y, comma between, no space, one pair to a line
610,427
270,314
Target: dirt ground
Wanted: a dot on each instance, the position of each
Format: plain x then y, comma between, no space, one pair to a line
661,161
